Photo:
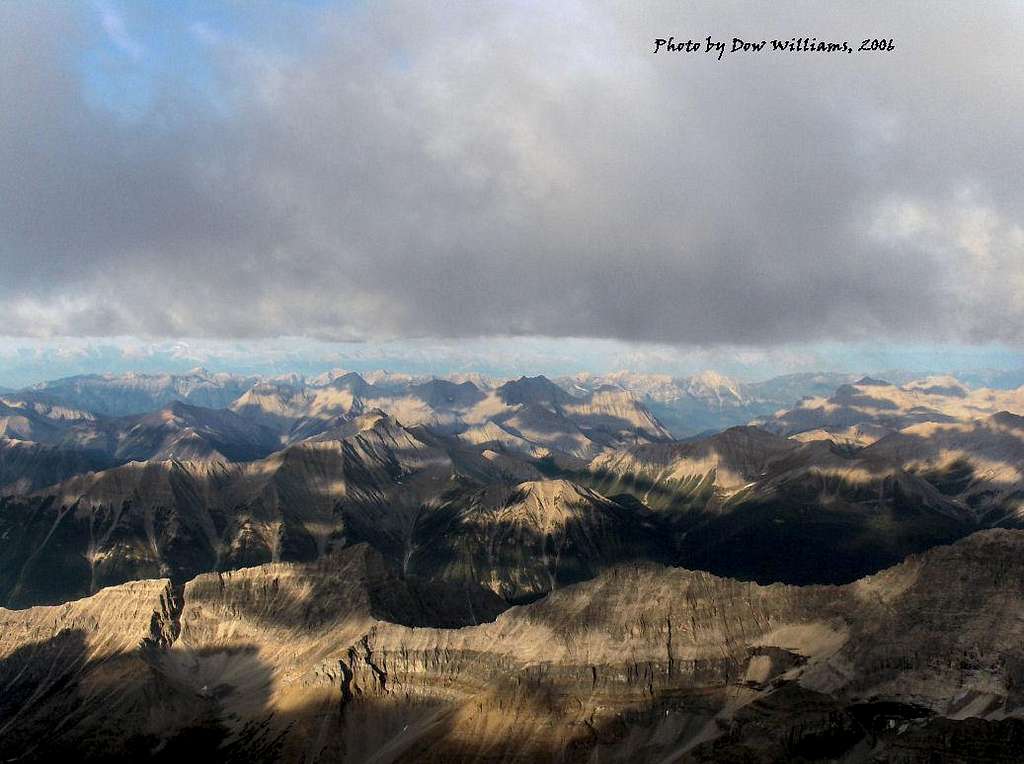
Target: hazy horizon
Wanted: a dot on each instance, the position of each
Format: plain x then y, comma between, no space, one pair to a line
22,365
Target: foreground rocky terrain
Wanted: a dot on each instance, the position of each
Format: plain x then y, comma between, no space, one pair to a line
341,660
384,568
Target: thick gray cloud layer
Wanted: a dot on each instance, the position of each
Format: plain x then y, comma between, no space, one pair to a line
524,168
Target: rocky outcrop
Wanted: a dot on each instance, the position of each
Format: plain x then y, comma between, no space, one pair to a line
77,677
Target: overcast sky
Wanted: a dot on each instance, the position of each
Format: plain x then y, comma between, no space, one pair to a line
397,171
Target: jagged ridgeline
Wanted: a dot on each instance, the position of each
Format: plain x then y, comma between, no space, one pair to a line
342,660
617,568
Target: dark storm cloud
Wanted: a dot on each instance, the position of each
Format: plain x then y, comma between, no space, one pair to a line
509,168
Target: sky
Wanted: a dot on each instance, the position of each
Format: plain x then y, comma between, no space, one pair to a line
508,186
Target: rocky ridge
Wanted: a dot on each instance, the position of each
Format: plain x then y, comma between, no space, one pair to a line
641,663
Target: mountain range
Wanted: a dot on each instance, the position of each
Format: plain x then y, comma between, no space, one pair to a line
393,568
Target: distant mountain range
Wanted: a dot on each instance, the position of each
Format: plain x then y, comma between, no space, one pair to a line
125,394
709,402
686,406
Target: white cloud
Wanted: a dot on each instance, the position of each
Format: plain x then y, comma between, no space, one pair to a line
116,30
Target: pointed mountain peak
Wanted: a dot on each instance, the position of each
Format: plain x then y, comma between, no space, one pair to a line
1008,419
537,389
872,382
552,492
351,381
